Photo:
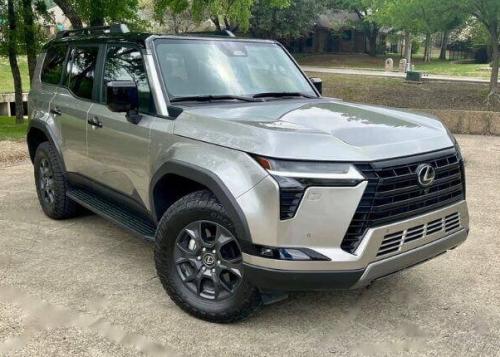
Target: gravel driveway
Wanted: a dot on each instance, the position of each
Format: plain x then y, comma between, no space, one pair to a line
85,287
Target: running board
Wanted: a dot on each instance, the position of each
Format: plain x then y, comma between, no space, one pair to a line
110,210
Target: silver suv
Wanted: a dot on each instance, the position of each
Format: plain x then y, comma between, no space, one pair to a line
223,153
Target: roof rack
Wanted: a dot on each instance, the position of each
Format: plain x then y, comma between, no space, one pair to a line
223,33
113,28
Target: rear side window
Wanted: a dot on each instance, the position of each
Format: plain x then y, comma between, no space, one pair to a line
82,71
53,66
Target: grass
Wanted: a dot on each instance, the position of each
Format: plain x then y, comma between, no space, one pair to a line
450,68
9,130
6,82
395,92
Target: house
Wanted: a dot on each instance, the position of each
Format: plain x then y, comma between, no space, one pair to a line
334,32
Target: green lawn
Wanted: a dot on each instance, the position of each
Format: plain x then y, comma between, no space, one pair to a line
6,82
437,66
9,130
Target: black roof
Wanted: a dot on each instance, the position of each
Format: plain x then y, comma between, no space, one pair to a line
119,33
138,38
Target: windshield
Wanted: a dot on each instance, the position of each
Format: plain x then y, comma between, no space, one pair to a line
196,68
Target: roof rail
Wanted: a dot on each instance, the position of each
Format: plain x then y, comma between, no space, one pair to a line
113,28
222,33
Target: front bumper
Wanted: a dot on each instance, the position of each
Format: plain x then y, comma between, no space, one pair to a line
299,280
383,251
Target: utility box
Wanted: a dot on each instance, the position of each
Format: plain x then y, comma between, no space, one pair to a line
414,76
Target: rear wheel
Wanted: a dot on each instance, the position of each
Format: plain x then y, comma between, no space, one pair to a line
199,260
51,184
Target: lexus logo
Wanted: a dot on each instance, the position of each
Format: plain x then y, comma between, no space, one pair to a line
208,259
426,175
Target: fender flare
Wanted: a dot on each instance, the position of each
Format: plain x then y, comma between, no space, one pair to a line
44,128
213,183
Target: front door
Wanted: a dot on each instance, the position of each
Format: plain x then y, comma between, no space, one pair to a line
118,149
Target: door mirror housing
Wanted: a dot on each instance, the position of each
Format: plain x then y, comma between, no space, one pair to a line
123,97
318,83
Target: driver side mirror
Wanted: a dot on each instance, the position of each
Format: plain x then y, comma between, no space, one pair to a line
123,97
318,83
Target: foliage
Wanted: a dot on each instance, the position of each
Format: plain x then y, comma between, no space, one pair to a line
230,14
40,35
274,20
418,16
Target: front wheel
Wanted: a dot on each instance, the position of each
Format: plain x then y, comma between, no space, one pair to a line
199,260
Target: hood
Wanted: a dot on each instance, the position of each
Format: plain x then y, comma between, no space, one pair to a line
318,129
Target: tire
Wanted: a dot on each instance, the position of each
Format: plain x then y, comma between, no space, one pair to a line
216,293
51,185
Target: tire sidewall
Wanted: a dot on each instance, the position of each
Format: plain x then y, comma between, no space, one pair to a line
169,229
42,152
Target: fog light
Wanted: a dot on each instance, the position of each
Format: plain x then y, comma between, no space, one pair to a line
267,252
293,254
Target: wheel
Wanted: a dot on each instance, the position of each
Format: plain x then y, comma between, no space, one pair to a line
51,184
199,261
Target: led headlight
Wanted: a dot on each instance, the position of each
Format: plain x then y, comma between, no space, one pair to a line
294,177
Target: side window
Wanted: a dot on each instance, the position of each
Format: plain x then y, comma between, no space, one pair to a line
82,71
126,64
53,65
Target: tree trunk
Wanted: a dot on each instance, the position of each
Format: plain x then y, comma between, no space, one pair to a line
70,13
29,37
14,67
444,45
408,49
372,41
428,48
495,61
216,21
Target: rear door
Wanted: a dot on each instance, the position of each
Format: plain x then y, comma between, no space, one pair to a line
72,104
118,149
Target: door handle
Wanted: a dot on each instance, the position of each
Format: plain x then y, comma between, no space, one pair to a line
55,111
95,122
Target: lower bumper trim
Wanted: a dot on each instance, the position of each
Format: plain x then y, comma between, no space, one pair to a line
410,258
269,280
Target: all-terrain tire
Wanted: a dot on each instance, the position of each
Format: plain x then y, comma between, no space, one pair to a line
60,206
199,206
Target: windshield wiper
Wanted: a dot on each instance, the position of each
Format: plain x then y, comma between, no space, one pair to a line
208,98
282,94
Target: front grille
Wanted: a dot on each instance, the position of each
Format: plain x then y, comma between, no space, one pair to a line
394,242
393,193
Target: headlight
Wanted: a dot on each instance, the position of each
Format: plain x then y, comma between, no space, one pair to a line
455,143
294,177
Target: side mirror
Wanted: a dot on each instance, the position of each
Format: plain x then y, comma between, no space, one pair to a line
318,83
123,97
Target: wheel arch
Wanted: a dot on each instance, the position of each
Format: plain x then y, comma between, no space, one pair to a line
180,178
37,133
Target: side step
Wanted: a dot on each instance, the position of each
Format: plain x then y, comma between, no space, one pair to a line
114,212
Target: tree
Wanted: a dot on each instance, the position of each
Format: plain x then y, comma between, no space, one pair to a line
12,51
233,15
29,36
487,12
284,21
71,13
417,17
365,10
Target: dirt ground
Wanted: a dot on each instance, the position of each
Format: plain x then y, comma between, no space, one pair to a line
12,152
84,287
